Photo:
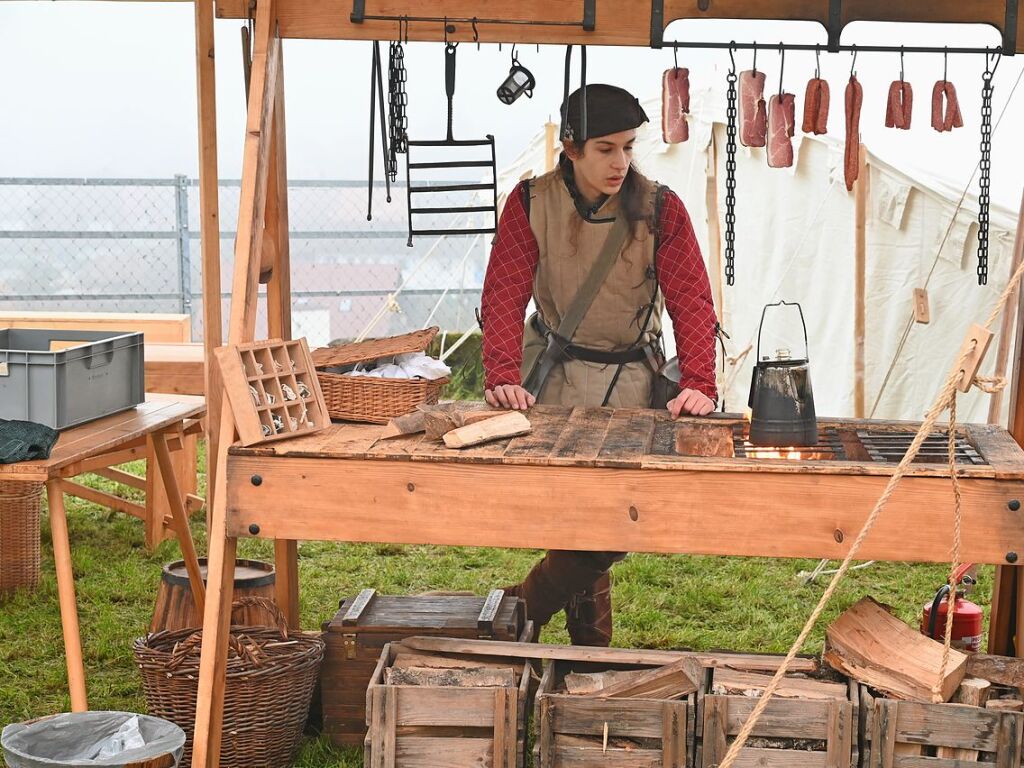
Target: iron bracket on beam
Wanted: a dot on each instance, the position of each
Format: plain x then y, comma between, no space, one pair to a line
1010,29
358,11
835,24
589,15
657,23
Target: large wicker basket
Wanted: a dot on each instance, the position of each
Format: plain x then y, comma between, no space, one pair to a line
375,400
271,674
19,535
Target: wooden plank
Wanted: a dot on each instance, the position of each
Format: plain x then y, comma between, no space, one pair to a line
670,681
861,191
508,424
122,477
782,718
627,439
545,729
716,714
674,748
571,756
740,683
975,346
582,437
470,707
839,739
951,726
156,327
601,655
175,368
548,423
103,499
751,757
782,515
638,718
440,752
66,595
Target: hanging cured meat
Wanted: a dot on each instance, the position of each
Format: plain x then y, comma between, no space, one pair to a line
854,100
947,119
753,110
816,103
675,105
900,106
781,129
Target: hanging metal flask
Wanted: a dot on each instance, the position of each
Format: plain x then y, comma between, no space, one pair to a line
781,399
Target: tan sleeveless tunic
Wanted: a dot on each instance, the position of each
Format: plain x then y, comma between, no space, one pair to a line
569,246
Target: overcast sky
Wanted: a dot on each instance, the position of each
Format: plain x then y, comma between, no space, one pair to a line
108,89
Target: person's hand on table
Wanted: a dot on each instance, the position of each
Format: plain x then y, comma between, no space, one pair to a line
690,402
510,396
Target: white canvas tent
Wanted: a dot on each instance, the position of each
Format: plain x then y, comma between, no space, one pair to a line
795,241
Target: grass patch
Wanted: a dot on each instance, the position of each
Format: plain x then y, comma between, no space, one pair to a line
661,601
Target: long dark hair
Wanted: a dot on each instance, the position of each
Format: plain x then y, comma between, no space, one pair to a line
634,196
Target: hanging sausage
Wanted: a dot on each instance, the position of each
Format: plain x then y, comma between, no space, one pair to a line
945,105
900,105
854,100
816,102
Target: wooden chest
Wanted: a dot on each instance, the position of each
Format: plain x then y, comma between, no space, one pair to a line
439,711
365,623
583,730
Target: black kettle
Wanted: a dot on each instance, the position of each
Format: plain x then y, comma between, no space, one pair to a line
781,400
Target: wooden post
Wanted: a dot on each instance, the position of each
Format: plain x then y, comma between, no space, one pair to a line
550,148
248,248
714,225
66,596
1006,619
1009,315
209,227
861,190
279,322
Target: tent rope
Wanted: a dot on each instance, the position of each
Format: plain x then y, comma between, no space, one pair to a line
946,399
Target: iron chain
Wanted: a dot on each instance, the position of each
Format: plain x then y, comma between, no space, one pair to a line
397,102
985,179
730,180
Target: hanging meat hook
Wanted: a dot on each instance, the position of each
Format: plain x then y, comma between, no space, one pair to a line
782,66
853,64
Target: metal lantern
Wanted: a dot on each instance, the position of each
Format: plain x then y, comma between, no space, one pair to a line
519,81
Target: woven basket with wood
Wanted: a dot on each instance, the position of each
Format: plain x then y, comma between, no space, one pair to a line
19,535
374,399
271,673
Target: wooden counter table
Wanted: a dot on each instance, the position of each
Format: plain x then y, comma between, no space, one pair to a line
153,430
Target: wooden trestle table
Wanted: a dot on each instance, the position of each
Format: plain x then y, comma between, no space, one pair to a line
603,479
154,431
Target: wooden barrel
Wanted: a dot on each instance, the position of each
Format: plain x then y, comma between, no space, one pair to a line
175,608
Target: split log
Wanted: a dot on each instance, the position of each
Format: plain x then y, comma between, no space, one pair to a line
672,681
438,420
406,659
455,678
1005,705
872,646
508,424
1002,670
730,682
409,424
583,683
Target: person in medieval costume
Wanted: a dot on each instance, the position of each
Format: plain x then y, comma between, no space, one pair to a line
593,342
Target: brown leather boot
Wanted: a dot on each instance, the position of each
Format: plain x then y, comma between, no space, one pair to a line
551,583
588,616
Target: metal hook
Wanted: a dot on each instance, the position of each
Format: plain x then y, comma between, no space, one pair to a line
853,65
901,63
997,56
945,64
446,31
514,59
755,57
817,62
476,34
782,66
732,58
675,58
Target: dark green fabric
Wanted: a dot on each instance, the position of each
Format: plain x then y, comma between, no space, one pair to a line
24,441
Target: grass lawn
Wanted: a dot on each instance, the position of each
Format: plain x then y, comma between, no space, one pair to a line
660,602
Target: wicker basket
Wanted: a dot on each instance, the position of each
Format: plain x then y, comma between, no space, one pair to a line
19,534
376,400
270,679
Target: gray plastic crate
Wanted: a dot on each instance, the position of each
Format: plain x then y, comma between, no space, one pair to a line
103,374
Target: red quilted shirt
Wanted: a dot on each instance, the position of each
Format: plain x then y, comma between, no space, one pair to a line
508,286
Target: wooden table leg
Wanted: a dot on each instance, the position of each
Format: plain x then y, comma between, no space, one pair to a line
66,595
1002,623
286,586
180,517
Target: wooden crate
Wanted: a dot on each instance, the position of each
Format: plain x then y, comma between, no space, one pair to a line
795,731
916,735
571,728
367,622
424,726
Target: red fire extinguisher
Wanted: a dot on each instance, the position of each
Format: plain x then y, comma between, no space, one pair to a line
967,617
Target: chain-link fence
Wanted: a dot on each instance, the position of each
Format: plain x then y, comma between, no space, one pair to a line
132,245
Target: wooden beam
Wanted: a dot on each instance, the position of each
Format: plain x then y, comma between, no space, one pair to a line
550,145
860,254
209,223
1009,316
122,477
121,456
714,226
104,499
792,515
627,22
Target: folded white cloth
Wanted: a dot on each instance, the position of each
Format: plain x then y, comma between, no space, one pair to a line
414,365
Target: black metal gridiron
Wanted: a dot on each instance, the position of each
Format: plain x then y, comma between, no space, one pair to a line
841,48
